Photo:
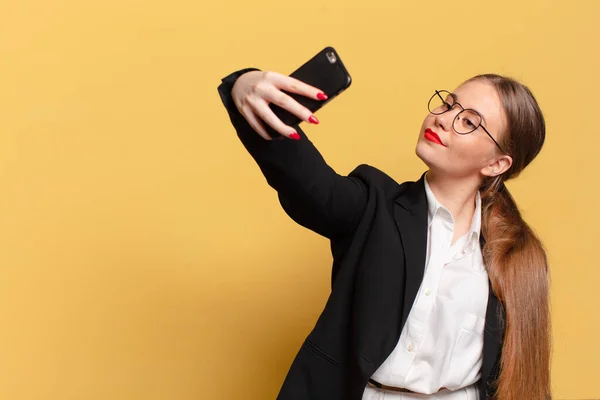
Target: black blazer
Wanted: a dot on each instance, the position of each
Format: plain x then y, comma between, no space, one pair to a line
378,234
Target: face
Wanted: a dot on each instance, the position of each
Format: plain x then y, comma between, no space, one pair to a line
468,155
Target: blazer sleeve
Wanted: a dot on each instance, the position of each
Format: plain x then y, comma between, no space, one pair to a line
309,190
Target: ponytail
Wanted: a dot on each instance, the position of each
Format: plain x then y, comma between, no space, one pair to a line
518,270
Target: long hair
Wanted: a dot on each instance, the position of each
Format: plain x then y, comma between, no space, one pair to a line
514,256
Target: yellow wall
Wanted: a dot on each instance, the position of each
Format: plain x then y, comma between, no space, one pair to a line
142,255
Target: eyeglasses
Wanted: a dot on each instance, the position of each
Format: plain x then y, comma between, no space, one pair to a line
465,122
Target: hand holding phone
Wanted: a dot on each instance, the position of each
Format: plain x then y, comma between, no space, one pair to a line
324,71
283,101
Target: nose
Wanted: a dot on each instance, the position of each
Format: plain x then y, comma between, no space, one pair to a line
441,120
446,119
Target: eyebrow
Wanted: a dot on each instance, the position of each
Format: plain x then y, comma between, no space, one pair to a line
456,99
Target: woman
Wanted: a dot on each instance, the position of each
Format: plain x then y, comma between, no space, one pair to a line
439,288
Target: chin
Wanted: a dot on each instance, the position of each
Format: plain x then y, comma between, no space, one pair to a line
431,158
425,153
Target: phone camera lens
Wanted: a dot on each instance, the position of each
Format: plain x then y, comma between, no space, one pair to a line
331,57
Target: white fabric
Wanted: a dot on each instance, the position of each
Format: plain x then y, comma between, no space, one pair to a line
441,345
467,393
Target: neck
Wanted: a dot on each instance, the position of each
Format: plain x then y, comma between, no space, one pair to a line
456,194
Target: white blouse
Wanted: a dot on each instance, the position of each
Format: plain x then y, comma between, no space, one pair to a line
441,344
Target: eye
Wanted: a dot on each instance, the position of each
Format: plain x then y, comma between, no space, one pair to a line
448,106
469,123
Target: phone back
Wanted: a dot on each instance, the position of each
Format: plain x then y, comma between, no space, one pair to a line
324,71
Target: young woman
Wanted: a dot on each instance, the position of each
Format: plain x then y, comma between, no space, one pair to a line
439,288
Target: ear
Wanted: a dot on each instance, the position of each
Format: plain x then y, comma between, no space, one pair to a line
498,166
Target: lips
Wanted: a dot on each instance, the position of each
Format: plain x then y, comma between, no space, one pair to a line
433,137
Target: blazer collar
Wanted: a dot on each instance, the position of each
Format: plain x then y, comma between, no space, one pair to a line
414,196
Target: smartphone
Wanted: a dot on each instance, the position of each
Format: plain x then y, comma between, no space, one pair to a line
324,71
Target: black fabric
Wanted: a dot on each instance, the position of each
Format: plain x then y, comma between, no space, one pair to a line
378,234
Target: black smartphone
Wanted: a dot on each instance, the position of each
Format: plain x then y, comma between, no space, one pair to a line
324,71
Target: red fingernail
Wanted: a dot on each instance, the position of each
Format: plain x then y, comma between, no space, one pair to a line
313,120
322,96
295,136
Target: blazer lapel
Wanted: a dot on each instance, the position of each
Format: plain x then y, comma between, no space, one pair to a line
492,338
411,217
494,330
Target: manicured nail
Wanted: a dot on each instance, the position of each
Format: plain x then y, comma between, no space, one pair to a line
322,96
313,120
295,136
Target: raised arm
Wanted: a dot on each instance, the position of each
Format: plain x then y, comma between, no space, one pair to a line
310,191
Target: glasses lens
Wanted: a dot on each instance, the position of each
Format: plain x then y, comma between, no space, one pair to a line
440,102
466,121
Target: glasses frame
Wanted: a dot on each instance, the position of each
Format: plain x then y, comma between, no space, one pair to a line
450,107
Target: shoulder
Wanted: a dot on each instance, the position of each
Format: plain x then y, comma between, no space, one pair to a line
378,180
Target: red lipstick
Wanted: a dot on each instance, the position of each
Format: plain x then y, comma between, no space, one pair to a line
433,137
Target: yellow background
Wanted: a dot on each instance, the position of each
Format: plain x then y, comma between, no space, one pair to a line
143,256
